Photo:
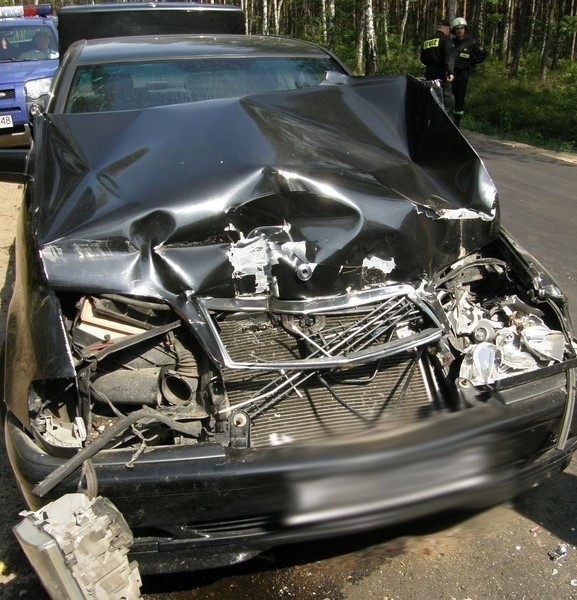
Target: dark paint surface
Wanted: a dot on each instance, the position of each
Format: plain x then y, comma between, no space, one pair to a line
151,202
104,21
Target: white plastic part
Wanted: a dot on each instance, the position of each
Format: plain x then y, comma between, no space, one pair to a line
78,547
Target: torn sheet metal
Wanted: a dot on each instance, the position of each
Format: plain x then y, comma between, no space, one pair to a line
166,200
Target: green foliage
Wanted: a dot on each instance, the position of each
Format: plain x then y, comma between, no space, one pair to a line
523,108
401,60
568,25
344,47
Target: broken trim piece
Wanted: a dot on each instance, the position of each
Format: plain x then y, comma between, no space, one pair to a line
78,547
335,354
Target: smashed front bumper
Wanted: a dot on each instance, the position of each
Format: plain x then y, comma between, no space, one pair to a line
196,507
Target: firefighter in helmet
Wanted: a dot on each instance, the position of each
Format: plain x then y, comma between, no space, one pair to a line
468,53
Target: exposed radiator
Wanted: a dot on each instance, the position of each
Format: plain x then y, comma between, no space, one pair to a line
305,404
391,392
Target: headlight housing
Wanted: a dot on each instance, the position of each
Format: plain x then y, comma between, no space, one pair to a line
36,88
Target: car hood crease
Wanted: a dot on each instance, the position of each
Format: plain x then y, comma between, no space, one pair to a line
352,175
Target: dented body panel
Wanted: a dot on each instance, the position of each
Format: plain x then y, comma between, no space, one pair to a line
280,185
273,317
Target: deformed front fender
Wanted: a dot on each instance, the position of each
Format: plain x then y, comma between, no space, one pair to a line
36,343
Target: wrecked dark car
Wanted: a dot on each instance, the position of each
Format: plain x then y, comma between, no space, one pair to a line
259,301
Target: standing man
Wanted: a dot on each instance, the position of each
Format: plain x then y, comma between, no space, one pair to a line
468,53
438,58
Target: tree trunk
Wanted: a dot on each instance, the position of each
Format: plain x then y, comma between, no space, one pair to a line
244,4
404,21
276,15
573,43
371,60
520,27
451,14
331,23
265,17
557,36
360,37
385,27
532,29
324,20
504,50
478,19
546,47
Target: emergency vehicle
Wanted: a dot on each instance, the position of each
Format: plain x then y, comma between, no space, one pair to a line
28,61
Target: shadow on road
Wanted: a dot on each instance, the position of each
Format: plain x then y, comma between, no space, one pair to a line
553,505
326,565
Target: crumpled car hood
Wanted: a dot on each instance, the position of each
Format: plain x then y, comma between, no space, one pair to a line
294,194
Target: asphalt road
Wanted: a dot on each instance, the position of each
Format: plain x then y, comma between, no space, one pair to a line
538,193
501,553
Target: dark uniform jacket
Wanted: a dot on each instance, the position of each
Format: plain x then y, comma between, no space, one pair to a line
437,56
468,53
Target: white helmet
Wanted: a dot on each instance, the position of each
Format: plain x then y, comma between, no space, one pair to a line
459,22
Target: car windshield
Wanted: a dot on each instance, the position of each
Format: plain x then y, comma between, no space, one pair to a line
126,86
27,43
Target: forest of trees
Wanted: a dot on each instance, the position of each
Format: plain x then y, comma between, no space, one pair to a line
374,27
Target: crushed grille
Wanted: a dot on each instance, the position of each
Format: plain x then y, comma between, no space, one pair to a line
312,404
267,338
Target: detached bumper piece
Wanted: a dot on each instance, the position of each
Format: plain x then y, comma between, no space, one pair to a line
78,547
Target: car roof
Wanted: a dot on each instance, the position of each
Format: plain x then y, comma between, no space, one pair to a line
26,22
160,47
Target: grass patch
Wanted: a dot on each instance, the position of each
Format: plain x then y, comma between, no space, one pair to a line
524,109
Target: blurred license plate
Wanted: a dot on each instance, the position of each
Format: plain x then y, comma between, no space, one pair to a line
341,496
6,121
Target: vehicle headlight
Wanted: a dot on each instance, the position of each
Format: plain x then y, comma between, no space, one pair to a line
36,88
